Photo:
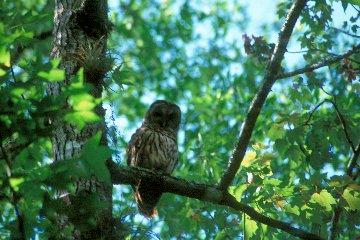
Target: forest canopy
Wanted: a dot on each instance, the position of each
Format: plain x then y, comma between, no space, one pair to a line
269,139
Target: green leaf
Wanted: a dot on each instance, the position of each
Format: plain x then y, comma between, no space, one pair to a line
276,132
294,210
221,235
15,182
250,157
355,2
352,199
324,199
80,118
272,182
54,74
259,146
339,181
82,102
95,157
281,145
294,153
237,191
4,56
250,227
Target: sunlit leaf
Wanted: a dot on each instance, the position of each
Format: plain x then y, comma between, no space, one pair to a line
352,198
250,227
95,156
4,56
15,182
80,118
249,158
324,199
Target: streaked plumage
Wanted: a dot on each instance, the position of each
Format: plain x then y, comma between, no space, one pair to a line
154,146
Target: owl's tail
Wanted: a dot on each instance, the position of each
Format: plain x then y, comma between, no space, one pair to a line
147,195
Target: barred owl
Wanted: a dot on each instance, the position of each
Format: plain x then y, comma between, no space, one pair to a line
154,146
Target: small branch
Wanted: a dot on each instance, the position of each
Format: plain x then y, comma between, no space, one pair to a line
341,119
347,33
322,51
358,10
343,124
203,192
260,97
315,66
313,111
352,163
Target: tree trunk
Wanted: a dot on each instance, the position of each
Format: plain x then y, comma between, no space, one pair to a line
80,34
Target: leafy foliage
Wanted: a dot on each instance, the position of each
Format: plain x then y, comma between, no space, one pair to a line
295,168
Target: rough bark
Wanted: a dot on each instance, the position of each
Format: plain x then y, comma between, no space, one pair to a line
78,24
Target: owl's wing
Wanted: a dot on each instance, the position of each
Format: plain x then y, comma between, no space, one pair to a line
134,152
175,164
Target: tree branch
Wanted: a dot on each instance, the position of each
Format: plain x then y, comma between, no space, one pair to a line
343,125
203,192
260,97
352,163
313,111
345,32
315,66
339,116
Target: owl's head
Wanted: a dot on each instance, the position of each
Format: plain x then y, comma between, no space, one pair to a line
163,115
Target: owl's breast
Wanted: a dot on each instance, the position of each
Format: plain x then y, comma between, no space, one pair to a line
160,152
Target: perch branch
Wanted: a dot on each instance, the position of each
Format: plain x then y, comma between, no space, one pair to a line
315,66
207,193
260,97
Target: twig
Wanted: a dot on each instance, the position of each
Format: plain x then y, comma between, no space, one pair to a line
358,10
343,124
313,111
340,117
203,192
260,97
352,163
349,34
315,66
